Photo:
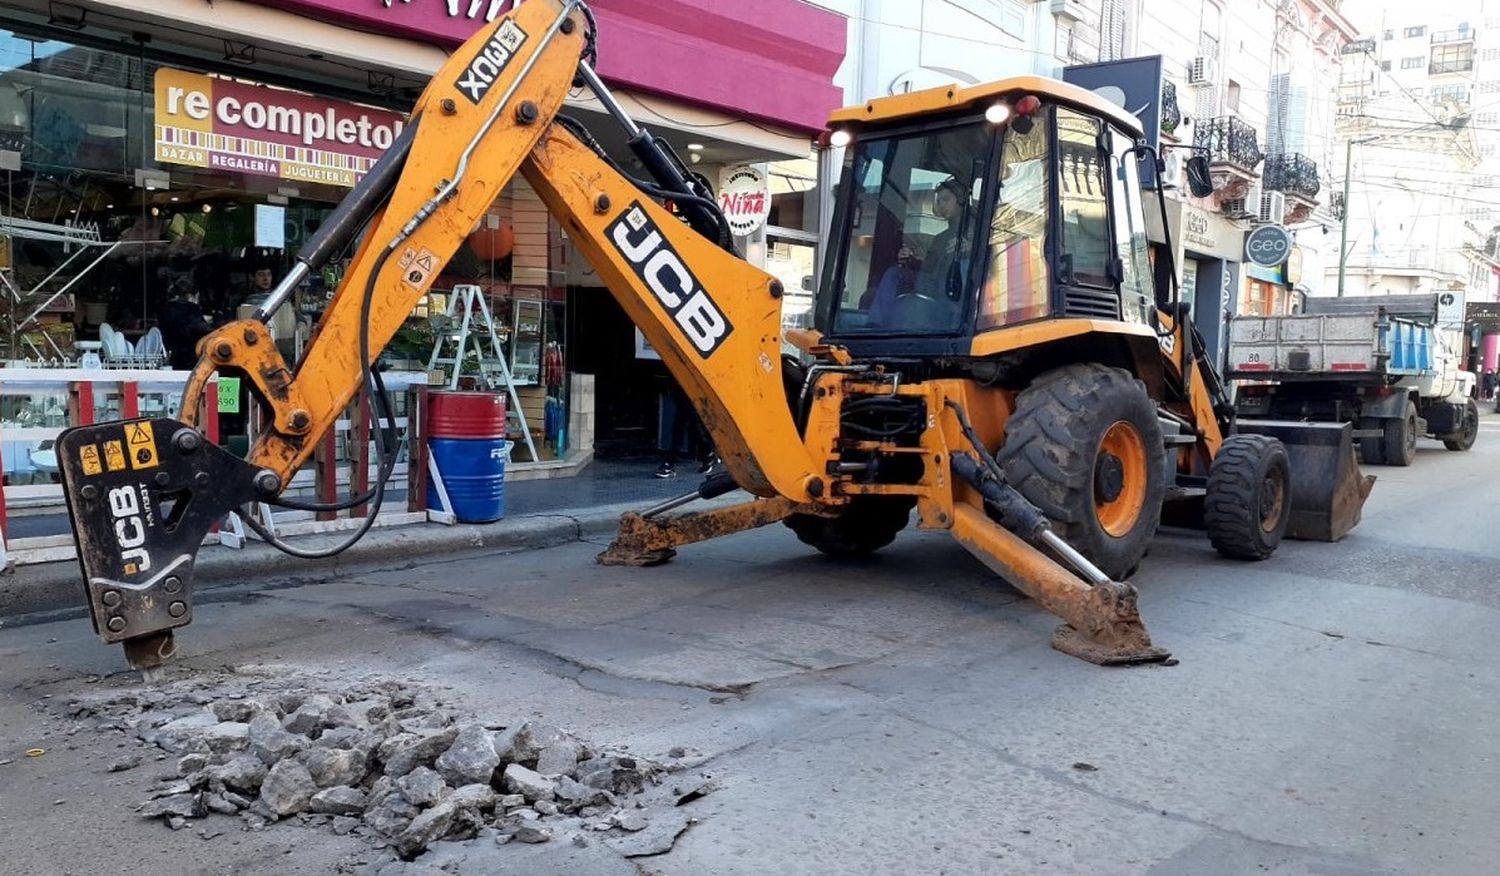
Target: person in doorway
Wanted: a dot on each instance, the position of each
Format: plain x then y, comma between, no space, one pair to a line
1488,385
683,434
262,280
182,325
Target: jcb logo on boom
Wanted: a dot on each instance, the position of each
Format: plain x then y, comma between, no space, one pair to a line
130,509
662,270
487,66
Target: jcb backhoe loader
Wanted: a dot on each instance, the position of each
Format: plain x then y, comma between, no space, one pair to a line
991,348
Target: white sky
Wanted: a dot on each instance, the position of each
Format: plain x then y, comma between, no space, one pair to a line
1368,15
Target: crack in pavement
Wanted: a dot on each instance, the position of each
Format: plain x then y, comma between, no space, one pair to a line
1336,636
577,669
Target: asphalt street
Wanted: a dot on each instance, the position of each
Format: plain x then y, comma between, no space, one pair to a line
1332,711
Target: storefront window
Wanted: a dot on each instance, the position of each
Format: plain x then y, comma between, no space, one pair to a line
792,239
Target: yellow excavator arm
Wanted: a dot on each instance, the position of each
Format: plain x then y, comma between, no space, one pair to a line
492,111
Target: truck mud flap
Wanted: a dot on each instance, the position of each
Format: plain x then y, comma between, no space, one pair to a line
1328,490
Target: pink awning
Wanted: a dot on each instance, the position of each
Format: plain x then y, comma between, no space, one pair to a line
771,60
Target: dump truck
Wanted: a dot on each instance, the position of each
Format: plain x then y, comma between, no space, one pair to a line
1380,363
991,350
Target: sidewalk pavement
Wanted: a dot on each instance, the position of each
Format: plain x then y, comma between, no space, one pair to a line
539,514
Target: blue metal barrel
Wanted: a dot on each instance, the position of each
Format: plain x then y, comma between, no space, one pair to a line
467,441
473,474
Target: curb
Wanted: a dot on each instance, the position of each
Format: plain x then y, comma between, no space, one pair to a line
51,587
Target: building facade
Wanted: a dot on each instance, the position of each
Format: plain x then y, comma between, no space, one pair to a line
1416,83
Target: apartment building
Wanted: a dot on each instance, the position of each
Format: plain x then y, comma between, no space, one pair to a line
1419,125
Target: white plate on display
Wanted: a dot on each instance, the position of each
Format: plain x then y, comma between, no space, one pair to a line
107,340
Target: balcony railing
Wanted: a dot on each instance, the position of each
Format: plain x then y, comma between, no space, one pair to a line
1293,174
1437,68
1454,36
1229,140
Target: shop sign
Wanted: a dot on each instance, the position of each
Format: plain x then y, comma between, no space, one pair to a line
1198,230
1268,246
1293,269
202,121
744,198
1451,308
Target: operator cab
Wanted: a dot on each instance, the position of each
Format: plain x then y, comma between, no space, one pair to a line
966,211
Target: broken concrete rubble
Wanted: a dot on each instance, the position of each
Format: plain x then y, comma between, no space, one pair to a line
383,761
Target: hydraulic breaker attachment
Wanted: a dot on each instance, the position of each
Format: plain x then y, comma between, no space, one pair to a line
142,495
1328,490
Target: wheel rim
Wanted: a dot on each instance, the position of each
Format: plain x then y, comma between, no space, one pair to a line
1272,500
1411,437
1121,447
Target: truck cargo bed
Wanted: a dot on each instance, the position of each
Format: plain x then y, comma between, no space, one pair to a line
1319,347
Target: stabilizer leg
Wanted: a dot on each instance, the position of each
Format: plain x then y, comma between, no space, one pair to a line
1103,624
651,541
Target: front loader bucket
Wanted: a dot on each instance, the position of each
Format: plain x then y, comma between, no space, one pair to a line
1328,490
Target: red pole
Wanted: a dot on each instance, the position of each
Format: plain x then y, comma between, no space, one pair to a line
81,403
4,521
416,448
210,416
326,472
130,400
359,455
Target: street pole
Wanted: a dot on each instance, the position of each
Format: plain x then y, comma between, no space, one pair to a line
1344,218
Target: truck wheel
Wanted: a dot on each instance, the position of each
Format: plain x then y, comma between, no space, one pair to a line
1399,447
866,524
1371,450
1249,499
1463,439
1084,445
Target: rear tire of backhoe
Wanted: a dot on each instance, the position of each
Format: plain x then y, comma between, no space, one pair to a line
1249,499
864,526
1084,445
1468,429
1399,447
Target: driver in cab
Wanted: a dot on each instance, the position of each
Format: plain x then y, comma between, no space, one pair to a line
903,282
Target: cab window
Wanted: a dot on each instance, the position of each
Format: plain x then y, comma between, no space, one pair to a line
1017,286
1137,288
1087,245
913,225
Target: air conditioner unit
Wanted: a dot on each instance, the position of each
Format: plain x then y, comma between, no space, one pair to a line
1074,10
1272,206
1247,207
1174,170
1200,71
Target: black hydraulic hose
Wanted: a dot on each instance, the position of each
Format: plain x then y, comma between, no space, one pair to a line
384,463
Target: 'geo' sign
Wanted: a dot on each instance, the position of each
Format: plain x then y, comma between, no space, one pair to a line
744,198
225,125
1268,246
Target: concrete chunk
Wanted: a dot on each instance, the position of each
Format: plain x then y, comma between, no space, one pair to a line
338,800
288,788
471,758
529,783
423,787
419,751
